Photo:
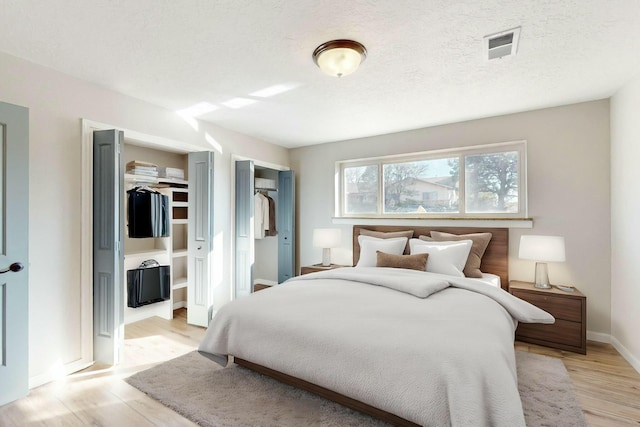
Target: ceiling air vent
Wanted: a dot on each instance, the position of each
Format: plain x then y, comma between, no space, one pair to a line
502,44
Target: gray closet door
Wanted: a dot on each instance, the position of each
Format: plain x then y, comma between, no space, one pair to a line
200,239
286,225
244,228
108,253
14,252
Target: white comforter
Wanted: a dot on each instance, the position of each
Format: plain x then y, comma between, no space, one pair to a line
433,349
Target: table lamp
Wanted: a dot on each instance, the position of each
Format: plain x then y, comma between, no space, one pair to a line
542,249
326,238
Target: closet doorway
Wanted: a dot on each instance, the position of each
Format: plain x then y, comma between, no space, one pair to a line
264,248
182,251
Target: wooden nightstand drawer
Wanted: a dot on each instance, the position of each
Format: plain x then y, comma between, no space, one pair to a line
561,332
259,286
569,332
558,307
318,267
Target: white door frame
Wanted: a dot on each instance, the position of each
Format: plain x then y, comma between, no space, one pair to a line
86,227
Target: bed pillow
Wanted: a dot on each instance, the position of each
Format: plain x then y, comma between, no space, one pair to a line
411,262
480,243
444,257
369,246
388,235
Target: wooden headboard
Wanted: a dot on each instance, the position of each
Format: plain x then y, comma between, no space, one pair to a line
494,261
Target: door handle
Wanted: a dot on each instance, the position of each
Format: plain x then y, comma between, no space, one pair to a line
15,267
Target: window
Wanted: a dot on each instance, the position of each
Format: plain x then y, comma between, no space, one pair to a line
361,189
484,182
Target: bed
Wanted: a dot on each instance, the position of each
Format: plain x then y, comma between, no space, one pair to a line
406,346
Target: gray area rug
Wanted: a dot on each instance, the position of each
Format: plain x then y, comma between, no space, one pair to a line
209,395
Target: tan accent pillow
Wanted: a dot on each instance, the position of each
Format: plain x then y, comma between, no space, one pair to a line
411,262
480,243
389,235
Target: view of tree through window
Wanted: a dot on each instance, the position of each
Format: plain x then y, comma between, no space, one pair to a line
491,182
361,189
484,181
420,186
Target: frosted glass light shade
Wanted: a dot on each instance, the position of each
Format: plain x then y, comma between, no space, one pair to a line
339,58
542,248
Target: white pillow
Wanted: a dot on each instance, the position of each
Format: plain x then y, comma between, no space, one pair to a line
444,257
369,245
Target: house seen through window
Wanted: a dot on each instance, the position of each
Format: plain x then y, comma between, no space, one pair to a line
485,182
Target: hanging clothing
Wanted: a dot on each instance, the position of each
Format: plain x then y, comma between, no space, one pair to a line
147,213
271,229
260,215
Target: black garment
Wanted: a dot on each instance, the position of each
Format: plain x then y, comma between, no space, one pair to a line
271,231
148,213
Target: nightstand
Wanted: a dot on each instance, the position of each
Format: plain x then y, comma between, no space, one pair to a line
259,286
318,267
569,332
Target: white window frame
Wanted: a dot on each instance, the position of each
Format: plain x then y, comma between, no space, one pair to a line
518,146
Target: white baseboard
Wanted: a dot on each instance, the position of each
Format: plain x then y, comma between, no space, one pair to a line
64,370
629,357
624,352
599,337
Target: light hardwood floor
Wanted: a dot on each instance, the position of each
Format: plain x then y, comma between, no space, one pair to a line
608,388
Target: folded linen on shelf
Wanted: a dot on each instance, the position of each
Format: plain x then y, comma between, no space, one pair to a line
137,167
166,172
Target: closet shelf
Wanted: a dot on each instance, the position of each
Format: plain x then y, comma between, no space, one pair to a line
178,253
145,253
146,179
180,221
180,282
180,204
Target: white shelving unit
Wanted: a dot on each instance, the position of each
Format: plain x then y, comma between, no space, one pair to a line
179,207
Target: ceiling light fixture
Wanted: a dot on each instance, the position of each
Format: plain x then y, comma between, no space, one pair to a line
339,58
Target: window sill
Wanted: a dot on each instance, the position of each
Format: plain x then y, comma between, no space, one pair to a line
444,222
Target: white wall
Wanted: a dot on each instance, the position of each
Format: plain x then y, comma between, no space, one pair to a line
56,104
568,161
625,226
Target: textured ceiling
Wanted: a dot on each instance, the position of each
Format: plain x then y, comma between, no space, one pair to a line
425,64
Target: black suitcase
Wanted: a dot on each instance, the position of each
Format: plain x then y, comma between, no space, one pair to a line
147,285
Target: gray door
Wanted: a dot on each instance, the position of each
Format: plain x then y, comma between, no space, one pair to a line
200,239
286,225
244,228
14,225
108,253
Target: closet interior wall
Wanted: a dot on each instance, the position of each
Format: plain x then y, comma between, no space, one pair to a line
266,250
166,250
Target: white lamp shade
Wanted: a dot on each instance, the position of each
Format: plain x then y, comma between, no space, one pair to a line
326,237
542,248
